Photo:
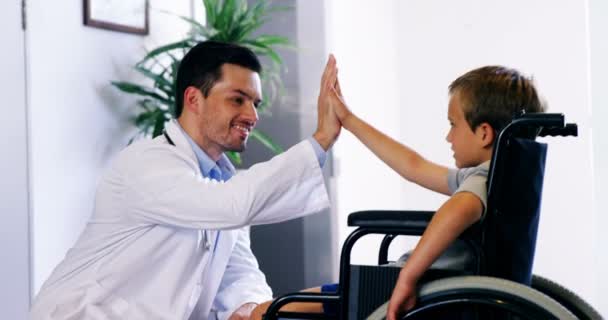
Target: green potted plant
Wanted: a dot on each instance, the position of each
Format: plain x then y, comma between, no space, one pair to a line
231,21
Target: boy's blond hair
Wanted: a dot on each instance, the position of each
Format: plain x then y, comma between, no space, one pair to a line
495,94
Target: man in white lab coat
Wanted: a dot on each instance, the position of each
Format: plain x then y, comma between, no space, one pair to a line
167,237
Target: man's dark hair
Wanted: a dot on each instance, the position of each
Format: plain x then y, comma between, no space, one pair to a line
201,67
495,94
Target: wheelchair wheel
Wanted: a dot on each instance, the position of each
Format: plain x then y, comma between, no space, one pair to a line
579,307
487,292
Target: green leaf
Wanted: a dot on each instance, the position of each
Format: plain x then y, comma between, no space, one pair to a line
159,124
269,40
263,49
183,44
275,8
158,71
247,28
266,141
148,105
210,11
260,9
205,31
158,79
234,157
139,90
224,17
144,118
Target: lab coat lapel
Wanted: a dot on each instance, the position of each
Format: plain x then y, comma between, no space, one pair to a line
214,274
177,135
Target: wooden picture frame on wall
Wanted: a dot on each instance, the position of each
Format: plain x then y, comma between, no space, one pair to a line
130,16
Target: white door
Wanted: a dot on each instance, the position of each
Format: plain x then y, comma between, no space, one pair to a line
14,213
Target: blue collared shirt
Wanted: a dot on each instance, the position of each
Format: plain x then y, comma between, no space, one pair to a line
206,164
321,154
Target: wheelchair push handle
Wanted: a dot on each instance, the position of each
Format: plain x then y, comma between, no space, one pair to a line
539,120
547,124
569,130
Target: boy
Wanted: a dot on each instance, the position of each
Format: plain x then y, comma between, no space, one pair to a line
482,102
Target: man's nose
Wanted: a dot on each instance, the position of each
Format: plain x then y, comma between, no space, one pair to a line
251,113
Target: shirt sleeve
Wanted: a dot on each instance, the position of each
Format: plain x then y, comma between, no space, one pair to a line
476,184
457,176
473,180
320,153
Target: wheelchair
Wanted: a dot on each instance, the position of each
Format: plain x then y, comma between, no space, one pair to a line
487,272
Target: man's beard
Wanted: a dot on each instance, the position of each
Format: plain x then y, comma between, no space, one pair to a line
236,148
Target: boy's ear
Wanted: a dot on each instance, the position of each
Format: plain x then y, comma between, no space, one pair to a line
486,134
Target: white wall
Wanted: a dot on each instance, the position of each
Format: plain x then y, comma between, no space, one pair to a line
598,68
78,121
14,237
396,59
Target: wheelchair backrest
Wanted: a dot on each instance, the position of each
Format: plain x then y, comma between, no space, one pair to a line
515,182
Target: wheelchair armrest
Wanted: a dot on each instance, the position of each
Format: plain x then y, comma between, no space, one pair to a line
392,220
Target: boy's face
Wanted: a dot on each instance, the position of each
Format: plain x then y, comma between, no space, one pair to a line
469,146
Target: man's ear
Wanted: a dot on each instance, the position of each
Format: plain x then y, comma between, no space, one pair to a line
192,98
486,134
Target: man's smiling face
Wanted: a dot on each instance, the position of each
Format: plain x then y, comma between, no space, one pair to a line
229,113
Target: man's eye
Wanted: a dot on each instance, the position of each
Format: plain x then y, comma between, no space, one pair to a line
239,100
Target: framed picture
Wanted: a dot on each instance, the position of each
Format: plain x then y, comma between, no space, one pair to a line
129,16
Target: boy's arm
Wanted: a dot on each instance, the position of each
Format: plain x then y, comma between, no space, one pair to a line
405,161
455,215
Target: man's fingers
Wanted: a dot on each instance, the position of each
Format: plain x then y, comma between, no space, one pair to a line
333,73
331,62
324,75
331,78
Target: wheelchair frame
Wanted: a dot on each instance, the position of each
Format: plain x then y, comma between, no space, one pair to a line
545,300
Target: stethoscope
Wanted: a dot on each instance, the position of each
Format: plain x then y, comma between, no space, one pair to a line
168,138
204,233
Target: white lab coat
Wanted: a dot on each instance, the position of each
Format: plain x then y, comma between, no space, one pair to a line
148,250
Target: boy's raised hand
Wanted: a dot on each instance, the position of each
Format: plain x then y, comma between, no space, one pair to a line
337,102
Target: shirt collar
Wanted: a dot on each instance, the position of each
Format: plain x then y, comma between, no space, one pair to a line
205,162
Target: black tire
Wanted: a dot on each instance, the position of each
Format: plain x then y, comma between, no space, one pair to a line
570,300
494,292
